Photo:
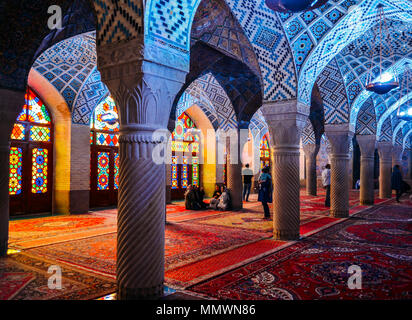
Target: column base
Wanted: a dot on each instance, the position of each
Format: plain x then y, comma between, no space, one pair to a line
3,247
339,213
152,293
367,202
285,235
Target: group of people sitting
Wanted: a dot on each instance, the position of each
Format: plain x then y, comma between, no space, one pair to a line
194,196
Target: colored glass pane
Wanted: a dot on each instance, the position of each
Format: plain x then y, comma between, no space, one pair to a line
174,176
41,134
15,171
18,132
105,116
39,170
103,171
107,139
36,109
116,170
195,171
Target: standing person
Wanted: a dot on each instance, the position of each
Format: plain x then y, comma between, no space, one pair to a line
396,181
265,191
326,183
247,182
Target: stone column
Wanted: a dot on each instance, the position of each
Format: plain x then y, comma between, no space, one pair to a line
397,152
385,169
234,170
144,92
286,121
311,151
11,103
367,145
339,137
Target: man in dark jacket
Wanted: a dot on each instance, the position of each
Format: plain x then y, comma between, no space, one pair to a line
396,181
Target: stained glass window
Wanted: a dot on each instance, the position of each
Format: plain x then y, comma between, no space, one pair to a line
116,170
195,171
16,164
32,132
105,116
40,134
103,171
107,139
39,170
18,132
264,152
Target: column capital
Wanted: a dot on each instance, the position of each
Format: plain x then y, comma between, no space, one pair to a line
143,90
286,120
367,145
339,137
311,149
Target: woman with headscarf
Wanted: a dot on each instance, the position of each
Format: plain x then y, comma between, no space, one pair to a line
224,200
265,191
396,181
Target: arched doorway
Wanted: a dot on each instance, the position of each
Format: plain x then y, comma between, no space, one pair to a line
104,141
31,159
264,152
185,169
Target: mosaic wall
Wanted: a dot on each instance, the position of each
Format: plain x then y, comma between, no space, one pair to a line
92,92
322,159
308,135
219,99
266,34
68,64
345,30
386,131
332,89
366,124
118,21
215,24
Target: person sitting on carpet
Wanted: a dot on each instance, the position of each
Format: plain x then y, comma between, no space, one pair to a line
190,199
224,200
215,198
200,194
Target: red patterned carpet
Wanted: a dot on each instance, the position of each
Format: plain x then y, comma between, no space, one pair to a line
200,245
317,267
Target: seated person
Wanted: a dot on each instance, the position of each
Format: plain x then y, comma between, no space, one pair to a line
224,200
200,195
190,199
215,198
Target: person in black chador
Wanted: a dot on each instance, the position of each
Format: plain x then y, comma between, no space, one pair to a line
265,190
215,198
396,181
190,199
200,195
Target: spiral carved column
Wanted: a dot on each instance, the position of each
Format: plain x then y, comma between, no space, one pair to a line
4,198
339,158
367,144
234,171
311,150
286,121
385,169
144,92
11,103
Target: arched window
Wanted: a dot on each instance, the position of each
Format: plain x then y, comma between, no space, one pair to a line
31,164
264,152
104,140
185,156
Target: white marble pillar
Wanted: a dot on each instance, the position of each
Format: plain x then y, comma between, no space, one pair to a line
11,103
311,151
339,137
144,92
367,145
385,169
286,121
